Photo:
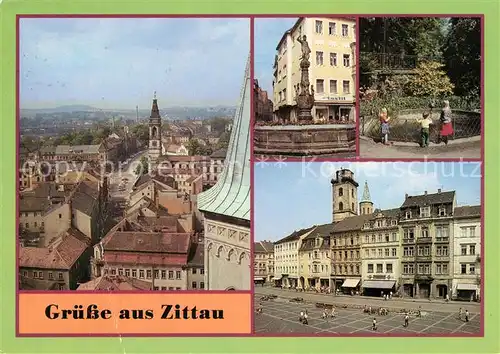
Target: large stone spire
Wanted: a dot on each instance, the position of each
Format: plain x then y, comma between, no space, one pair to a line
366,205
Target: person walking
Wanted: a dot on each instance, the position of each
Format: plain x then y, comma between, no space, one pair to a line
407,319
384,126
466,315
425,123
446,124
460,312
305,321
374,324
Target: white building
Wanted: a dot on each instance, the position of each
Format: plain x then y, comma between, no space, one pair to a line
226,208
467,252
287,260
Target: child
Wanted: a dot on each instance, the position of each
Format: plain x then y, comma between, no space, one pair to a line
425,122
446,124
384,126
374,324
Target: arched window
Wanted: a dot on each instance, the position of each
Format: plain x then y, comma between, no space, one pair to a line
341,206
219,251
341,192
154,132
230,255
352,193
352,206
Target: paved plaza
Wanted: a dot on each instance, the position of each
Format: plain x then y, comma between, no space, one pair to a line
280,316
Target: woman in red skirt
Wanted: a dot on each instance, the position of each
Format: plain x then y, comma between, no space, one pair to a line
446,124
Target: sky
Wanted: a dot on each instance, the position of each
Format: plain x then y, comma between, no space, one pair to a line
295,195
119,63
267,34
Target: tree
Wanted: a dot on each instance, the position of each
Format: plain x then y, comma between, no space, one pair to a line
462,53
223,142
141,132
194,147
143,168
430,80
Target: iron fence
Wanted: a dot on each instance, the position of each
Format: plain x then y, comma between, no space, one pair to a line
405,128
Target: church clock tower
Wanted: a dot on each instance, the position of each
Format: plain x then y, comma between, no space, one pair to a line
154,148
344,195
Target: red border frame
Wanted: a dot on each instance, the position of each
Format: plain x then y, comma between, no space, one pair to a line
252,18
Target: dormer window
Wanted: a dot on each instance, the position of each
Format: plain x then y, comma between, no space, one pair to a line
442,211
425,212
408,214
367,225
394,222
380,223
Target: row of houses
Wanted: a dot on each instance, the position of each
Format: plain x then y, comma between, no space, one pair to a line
427,247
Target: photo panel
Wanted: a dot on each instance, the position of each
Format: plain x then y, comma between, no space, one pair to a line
421,87
134,174
305,87
368,248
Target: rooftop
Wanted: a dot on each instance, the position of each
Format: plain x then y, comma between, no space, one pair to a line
155,242
263,247
429,199
230,196
115,282
295,235
467,211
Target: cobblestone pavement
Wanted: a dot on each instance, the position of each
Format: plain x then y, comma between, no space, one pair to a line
280,316
370,149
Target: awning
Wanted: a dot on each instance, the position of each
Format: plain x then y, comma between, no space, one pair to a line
350,283
278,278
258,278
471,287
378,284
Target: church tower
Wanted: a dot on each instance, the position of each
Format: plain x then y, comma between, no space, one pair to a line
154,148
366,205
344,195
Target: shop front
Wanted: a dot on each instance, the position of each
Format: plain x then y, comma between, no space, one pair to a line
467,292
378,287
334,109
350,286
259,281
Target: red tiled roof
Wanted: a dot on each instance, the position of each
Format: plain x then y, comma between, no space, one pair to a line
115,282
147,242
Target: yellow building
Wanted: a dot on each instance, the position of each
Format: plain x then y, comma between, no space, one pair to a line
332,71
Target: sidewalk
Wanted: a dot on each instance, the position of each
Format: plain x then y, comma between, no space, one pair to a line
360,301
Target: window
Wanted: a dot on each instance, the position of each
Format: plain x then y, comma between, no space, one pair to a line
463,232
141,274
367,239
472,268
319,27
386,252
134,273
333,59
357,269
347,60
367,253
379,238
379,252
438,268
386,236
408,268
373,238
408,214
194,270
463,269
394,252
441,250
464,250
472,249
424,232
425,212
408,234
388,268
320,86
178,288
408,251
341,206
345,30
442,211
51,276
178,274
35,224
319,58
332,28
61,276
202,285
333,87
148,274
346,86
373,252
441,232
40,275
380,268
120,271
370,268
113,271
341,192
357,254
27,225
156,288
164,274
472,231
157,274
193,285
163,288
60,216
170,274
43,224
127,273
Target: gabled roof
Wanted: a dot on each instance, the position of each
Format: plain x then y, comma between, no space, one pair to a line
156,242
295,235
230,196
116,282
196,255
467,211
352,223
428,199
263,247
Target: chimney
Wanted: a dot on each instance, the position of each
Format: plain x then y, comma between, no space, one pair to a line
406,196
425,193
439,190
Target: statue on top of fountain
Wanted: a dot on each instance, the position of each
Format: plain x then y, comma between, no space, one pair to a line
306,51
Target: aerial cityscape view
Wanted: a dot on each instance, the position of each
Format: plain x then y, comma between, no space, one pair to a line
368,247
134,173
305,87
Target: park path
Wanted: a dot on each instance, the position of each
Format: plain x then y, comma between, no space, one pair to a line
426,305
370,149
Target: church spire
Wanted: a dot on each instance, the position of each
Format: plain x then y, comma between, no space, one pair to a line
155,112
366,194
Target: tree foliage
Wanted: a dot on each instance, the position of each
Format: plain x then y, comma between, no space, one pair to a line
143,168
430,80
462,53
223,142
141,132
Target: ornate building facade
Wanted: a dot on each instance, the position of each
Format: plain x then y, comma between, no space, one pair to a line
226,208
